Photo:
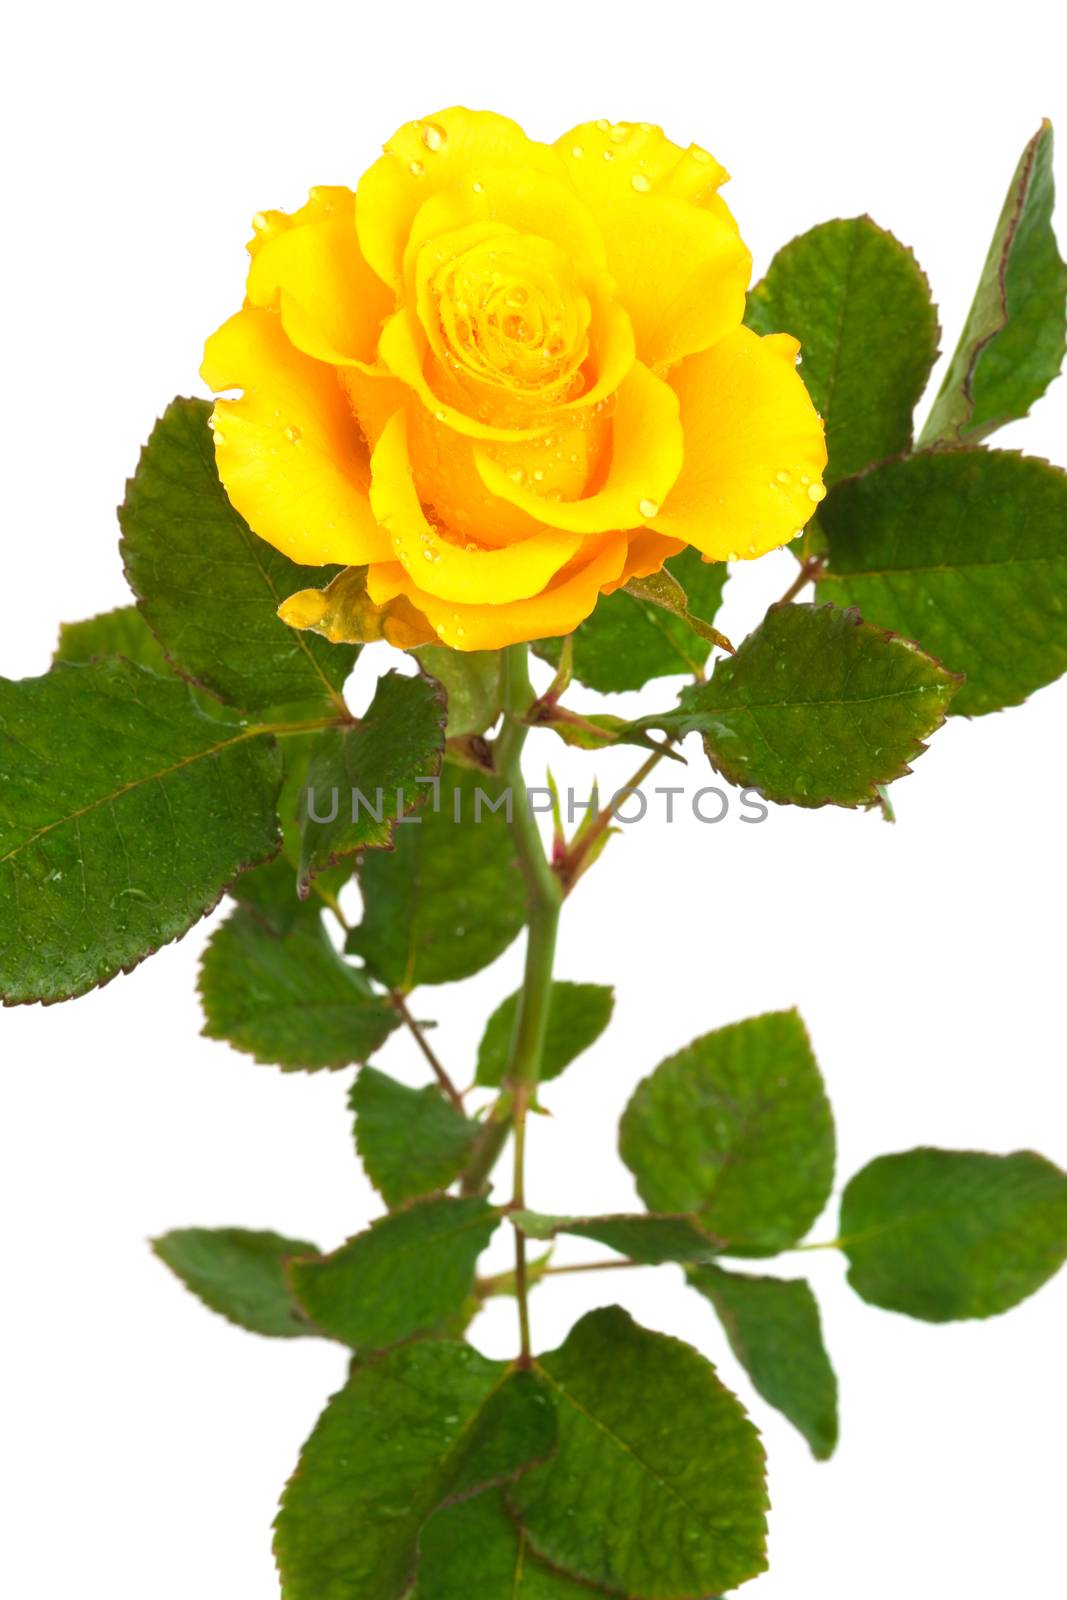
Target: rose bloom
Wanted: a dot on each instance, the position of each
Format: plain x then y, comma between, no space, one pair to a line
503,378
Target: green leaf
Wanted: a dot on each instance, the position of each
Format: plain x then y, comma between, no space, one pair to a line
963,550
363,776
123,632
448,898
578,1013
948,1234
737,1130
475,1551
274,890
657,1487
816,708
651,1240
859,303
411,1141
1012,343
270,891
471,681
241,1275
775,1331
628,641
406,1275
289,999
422,1424
124,814
208,586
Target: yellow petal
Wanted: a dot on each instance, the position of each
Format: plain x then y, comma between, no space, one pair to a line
523,199
406,353
290,452
331,303
682,273
461,572
557,610
609,161
646,458
323,202
754,448
424,157
646,553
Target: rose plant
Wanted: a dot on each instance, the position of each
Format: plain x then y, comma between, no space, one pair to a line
503,395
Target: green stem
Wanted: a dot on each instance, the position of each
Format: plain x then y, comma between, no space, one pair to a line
544,896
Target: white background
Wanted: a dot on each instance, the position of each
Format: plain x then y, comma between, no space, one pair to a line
144,1440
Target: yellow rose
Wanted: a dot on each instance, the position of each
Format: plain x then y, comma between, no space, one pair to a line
503,378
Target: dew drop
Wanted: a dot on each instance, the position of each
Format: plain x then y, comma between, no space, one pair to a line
517,475
433,136
701,155
603,124
648,508
783,476
293,435
416,169
577,152
619,132
477,187
439,416
260,223
733,555
816,492
640,183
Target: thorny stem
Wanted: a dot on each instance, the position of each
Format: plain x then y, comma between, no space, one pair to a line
544,896
571,866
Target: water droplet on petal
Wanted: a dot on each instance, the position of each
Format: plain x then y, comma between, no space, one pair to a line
433,136
783,476
260,222
577,152
619,132
293,435
640,183
816,492
733,555
609,155
648,508
416,169
701,155
603,124
517,475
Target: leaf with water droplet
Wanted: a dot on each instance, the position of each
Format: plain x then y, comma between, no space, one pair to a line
657,1486
964,551
408,1433
209,588
816,708
736,1130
